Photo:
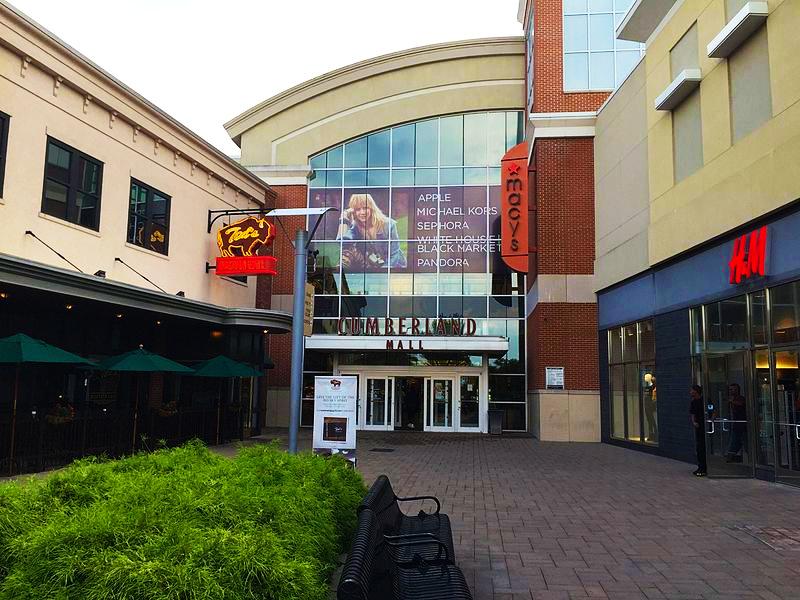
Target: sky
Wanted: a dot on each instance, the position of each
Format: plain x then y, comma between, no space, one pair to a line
206,61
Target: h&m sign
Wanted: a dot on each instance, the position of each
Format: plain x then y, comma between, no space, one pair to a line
748,256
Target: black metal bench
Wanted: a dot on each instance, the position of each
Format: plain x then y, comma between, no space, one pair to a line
374,571
382,500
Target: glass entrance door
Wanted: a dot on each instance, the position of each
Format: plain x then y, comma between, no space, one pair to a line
728,408
378,405
439,392
469,403
787,416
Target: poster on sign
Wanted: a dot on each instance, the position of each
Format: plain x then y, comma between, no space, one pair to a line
335,416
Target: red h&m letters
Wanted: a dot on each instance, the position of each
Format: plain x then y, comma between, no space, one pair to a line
749,256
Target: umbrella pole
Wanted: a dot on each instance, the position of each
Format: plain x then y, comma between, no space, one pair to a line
13,422
135,414
219,409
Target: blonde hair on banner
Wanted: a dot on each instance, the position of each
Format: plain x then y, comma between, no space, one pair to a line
377,222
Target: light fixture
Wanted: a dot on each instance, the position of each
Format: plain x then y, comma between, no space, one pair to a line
68,306
266,331
3,295
158,322
119,315
216,334
100,274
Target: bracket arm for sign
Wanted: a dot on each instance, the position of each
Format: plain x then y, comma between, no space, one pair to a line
230,213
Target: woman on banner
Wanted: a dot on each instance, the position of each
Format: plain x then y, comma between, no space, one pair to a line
364,220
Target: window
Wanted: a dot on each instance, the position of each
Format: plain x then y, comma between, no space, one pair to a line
4,118
72,183
593,58
529,65
751,97
148,218
632,378
687,138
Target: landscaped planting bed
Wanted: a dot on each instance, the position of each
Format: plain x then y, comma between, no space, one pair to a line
180,524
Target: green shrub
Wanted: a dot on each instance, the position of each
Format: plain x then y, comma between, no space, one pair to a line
179,524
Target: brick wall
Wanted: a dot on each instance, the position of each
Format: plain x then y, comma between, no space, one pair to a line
565,205
548,78
563,335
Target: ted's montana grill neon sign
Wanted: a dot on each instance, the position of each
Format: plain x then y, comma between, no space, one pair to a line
749,256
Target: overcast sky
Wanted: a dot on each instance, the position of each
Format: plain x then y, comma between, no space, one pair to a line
206,61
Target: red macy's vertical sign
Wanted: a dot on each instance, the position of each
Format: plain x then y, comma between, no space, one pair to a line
749,256
514,208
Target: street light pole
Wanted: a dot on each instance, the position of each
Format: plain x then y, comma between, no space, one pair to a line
296,388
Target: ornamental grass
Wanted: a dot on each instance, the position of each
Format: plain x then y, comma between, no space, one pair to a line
182,523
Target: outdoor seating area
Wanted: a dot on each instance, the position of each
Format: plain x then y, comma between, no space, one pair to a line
63,406
395,555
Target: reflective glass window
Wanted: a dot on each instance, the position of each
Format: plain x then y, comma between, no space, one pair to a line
355,153
593,58
758,317
726,324
785,313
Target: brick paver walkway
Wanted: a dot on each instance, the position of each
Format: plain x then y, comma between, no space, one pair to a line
546,520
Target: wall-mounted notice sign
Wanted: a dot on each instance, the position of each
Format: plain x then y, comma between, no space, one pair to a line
335,416
554,378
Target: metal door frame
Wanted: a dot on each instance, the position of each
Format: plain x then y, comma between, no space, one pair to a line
782,475
715,467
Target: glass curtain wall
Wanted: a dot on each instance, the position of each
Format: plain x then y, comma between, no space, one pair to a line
417,234
634,393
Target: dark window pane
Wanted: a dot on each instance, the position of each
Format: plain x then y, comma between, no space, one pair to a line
451,306
726,323
318,162
355,178
403,146
378,149
364,306
506,388
87,209
424,306
618,401
324,274
89,174
506,307
513,415
317,361
55,199
355,153
785,304
759,317
401,306
475,307
325,326
647,340
615,338
630,351
326,306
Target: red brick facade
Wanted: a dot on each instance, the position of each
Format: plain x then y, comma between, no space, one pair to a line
564,230
563,335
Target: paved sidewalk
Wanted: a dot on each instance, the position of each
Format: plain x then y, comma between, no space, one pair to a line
548,520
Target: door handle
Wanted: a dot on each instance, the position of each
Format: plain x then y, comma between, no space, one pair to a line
712,428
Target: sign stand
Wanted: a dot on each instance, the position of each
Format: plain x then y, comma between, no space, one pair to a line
335,416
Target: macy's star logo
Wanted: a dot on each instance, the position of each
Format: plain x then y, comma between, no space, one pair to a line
513,169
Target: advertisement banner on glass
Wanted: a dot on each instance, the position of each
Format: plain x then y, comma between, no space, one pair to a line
335,416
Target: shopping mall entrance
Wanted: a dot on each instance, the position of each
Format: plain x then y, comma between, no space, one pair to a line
441,401
753,414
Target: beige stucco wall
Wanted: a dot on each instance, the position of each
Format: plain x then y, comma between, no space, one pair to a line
565,416
406,86
738,182
622,199
47,94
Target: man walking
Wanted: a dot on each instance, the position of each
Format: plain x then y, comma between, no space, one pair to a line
696,410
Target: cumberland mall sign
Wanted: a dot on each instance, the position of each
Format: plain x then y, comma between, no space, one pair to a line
408,326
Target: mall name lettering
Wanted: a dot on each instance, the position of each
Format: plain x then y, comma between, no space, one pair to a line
406,326
749,256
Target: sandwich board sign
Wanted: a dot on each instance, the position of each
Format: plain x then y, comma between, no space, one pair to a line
335,415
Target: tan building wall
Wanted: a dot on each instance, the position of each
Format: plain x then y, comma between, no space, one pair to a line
622,205
738,181
50,90
406,86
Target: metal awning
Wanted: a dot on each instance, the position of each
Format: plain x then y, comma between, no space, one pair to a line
479,344
26,273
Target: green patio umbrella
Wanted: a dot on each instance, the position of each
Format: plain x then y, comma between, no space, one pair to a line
21,349
141,361
222,366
